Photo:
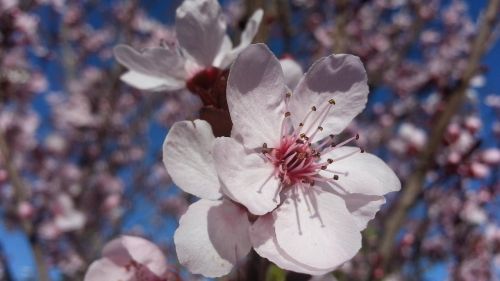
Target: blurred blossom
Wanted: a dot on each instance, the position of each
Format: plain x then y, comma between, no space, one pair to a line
130,258
80,157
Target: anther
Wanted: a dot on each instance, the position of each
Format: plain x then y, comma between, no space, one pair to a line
357,136
264,145
288,94
302,135
331,136
301,124
332,101
320,128
330,161
313,108
287,114
362,151
335,177
323,167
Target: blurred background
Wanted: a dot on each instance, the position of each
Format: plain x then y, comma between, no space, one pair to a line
80,151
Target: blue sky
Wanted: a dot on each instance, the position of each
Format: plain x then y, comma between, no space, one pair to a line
15,246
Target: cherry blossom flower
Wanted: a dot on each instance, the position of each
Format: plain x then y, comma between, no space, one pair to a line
308,198
204,50
129,258
282,159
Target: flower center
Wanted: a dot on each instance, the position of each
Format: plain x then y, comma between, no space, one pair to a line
297,158
209,85
141,272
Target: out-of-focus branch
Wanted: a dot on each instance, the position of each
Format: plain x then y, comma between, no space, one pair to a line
285,20
21,195
339,36
414,184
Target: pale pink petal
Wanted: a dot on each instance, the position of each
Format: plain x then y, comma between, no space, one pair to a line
151,83
247,36
140,250
264,242
338,77
315,228
152,66
247,178
212,237
200,27
255,96
106,270
187,155
363,207
128,258
362,173
225,48
293,72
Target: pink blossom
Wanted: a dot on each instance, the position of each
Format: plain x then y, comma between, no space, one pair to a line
491,156
129,258
204,48
282,163
310,197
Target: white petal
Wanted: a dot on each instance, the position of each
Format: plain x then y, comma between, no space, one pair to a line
247,36
225,49
106,270
247,178
255,96
293,72
315,228
212,236
151,83
338,77
187,155
365,173
140,250
71,220
363,207
157,62
264,242
200,27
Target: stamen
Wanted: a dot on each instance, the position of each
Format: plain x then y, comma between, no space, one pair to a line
284,123
348,155
301,124
322,116
334,146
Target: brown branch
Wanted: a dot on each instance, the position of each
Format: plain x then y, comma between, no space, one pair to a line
21,194
342,16
414,184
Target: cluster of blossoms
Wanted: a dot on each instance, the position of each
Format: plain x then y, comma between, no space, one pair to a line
270,152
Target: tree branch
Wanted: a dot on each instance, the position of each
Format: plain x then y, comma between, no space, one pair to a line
20,195
414,184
